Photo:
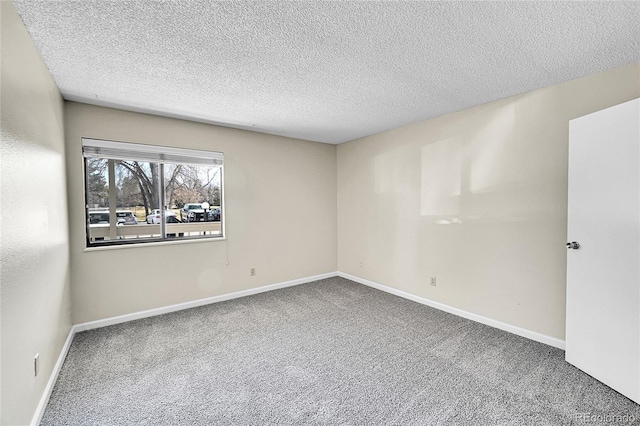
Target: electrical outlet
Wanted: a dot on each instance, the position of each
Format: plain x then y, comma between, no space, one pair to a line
36,364
360,264
253,272
432,281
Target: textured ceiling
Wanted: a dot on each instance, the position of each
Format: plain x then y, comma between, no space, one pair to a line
322,71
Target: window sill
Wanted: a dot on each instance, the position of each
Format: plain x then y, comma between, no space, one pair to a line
153,244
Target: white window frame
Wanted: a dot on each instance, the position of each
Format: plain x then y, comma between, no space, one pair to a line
112,150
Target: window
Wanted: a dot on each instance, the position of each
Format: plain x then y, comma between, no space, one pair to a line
143,193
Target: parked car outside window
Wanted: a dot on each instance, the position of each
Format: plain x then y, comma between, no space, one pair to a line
97,217
123,217
154,217
214,214
126,217
193,212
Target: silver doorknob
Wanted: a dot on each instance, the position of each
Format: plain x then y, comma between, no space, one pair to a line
573,245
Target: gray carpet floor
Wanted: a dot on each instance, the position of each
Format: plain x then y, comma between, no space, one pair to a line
329,352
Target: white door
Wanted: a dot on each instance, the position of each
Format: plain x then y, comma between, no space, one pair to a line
603,274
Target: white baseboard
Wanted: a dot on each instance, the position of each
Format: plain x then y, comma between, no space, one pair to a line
538,337
194,303
44,400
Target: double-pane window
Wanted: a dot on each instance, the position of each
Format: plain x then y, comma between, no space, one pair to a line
142,193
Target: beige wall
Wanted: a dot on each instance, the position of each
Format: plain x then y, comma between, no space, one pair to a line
280,208
35,303
477,199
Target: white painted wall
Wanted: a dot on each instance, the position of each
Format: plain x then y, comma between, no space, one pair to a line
35,302
496,173
280,210
477,199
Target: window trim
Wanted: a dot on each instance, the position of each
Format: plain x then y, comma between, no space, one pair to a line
98,148
114,150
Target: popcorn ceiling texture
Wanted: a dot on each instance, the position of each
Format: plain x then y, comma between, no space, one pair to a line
322,71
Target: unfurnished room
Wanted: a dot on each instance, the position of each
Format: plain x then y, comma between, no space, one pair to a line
319,212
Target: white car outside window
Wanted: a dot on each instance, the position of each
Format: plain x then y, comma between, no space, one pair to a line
154,217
